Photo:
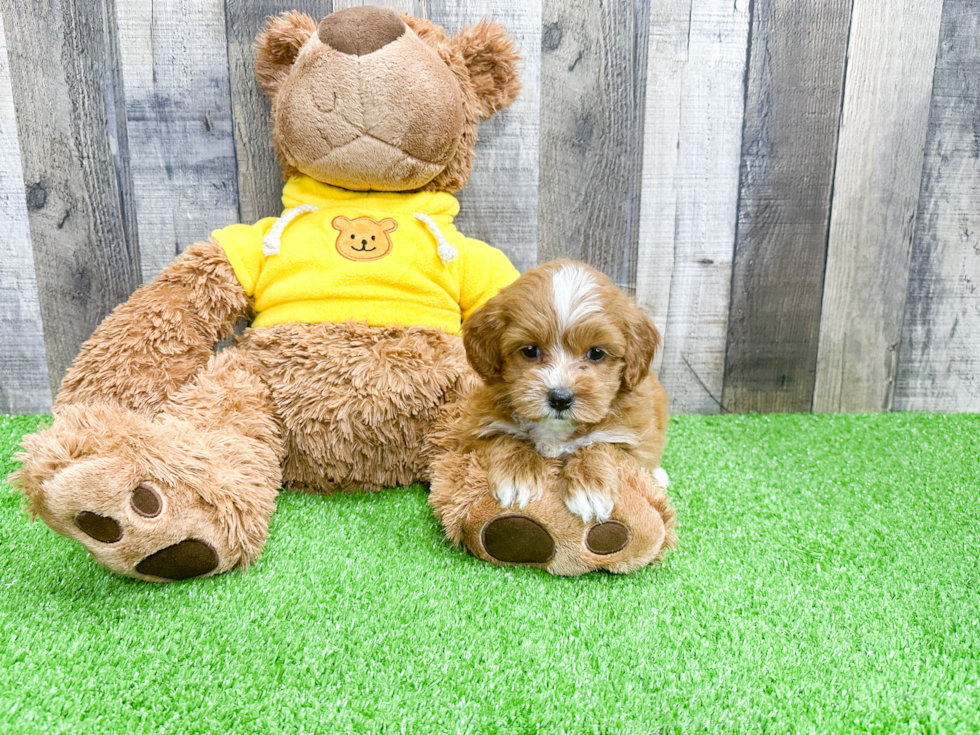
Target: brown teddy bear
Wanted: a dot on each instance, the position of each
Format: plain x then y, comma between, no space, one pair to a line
164,459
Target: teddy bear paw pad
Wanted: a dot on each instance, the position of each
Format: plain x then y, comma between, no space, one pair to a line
101,528
518,540
607,538
189,558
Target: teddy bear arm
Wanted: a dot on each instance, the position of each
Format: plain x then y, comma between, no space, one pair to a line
149,346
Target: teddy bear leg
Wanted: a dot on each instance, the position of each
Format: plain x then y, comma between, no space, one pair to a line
545,534
186,493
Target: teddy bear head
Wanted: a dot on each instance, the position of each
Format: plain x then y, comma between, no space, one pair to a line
368,99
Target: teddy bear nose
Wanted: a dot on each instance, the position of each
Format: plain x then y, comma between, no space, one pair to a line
360,31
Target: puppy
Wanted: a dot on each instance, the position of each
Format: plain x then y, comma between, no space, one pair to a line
565,359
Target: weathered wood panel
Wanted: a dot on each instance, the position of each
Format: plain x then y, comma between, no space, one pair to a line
666,60
939,361
178,119
62,66
418,8
23,367
593,67
789,144
891,57
704,193
500,203
259,176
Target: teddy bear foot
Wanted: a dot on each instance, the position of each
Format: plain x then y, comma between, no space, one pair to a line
546,534
157,500
149,531
520,539
183,560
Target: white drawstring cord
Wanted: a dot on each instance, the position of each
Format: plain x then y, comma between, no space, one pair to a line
447,253
272,242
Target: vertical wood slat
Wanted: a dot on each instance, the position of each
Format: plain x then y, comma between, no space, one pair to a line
23,365
418,8
179,123
593,68
62,64
939,364
702,190
666,59
789,142
259,175
876,189
500,203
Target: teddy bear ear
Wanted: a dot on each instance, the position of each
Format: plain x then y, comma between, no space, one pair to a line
278,45
491,59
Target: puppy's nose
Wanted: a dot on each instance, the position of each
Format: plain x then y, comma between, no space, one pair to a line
360,31
560,398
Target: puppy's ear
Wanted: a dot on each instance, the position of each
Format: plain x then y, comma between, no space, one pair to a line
642,341
491,59
278,45
481,338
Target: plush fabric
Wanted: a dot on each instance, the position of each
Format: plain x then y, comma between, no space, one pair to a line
316,277
164,459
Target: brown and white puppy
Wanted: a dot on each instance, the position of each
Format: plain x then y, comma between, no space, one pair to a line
565,359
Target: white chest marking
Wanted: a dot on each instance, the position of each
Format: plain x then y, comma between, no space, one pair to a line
550,438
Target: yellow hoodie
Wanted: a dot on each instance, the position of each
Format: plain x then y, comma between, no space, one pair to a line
377,257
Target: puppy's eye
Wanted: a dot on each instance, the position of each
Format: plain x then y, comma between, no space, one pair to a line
531,351
595,354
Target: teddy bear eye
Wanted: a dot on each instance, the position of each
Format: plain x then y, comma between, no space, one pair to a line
531,351
595,354
372,237
352,237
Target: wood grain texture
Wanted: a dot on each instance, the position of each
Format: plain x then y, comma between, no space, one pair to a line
178,119
939,361
499,205
593,66
259,176
789,143
703,192
418,8
666,61
23,366
73,154
876,189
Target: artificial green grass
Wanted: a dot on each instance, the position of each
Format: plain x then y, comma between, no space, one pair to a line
827,581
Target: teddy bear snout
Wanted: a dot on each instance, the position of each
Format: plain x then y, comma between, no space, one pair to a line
361,31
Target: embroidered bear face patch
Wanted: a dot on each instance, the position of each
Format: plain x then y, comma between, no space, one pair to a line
364,238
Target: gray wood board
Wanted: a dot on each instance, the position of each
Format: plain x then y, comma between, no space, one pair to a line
499,205
73,153
789,141
259,176
667,57
593,68
939,361
178,119
891,58
23,365
694,185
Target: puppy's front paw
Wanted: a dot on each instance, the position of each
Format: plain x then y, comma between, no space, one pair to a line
519,495
588,503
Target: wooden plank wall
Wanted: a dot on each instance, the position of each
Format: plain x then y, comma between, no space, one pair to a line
789,187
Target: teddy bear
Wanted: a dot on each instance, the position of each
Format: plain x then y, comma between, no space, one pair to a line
165,456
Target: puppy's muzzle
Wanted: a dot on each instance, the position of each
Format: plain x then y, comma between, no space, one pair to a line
560,399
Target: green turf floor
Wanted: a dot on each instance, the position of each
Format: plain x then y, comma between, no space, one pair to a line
827,581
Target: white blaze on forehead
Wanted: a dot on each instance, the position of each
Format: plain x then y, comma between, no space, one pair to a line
575,294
